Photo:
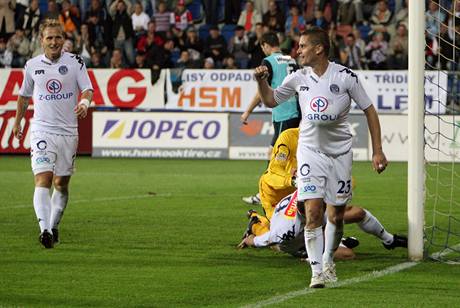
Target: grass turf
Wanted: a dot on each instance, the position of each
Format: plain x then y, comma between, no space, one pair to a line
140,232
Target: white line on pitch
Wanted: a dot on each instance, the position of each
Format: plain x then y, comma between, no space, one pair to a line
375,274
18,206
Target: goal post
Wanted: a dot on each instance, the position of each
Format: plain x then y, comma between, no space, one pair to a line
416,113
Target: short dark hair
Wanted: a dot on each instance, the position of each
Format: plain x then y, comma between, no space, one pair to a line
270,38
319,36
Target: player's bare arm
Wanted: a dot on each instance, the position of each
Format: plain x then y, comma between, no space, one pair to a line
247,242
255,101
265,91
379,161
82,108
23,103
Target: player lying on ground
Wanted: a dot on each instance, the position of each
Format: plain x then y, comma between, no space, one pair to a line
285,229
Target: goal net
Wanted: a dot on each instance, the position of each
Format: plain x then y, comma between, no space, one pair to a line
442,132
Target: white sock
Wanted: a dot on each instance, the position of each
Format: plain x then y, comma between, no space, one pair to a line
333,236
42,206
371,225
314,242
59,203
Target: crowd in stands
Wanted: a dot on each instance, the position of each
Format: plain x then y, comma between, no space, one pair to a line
156,34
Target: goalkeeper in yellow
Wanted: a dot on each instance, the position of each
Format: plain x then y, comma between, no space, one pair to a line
278,181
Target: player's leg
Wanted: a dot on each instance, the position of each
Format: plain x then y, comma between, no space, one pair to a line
67,148
370,224
42,161
59,203
314,239
338,193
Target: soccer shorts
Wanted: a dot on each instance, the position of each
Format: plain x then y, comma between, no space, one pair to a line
322,176
55,153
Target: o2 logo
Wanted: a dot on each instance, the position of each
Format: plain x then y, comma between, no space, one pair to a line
344,187
54,86
319,104
309,188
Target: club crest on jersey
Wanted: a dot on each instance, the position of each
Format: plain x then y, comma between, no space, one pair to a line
319,104
54,86
334,88
63,69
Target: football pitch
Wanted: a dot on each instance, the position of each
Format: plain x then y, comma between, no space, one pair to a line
162,233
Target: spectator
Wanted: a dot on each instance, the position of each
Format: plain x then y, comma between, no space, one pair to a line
349,12
6,56
319,20
254,49
336,42
116,61
274,17
185,61
215,46
334,5
261,6
149,38
53,10
232,11
381,19
193,44
83,45
238,47
100,29
399,47
35,46
249,17
7,25
229,63
182,16
68,46
30,19
140,20
377,52
431,52
140,61
211,11
19,45
208,63
122,31
350,53
285,43
96,61
294,20
179,37
434,17
19,10
163,18
70,19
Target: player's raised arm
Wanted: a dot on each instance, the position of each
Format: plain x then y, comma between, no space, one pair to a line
265,91
379,161
23,102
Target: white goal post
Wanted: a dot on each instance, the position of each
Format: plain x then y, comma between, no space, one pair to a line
416,164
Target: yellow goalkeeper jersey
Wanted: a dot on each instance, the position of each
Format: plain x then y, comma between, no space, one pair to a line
276,182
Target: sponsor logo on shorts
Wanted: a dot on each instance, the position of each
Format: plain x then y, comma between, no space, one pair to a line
309,188
43,160
41,145
305,170
63,69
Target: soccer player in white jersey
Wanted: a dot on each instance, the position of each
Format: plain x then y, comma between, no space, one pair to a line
53,80
325,90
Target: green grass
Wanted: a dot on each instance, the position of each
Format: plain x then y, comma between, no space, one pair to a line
162,233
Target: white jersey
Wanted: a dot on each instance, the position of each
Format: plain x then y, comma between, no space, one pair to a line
286,227
325,103
54,88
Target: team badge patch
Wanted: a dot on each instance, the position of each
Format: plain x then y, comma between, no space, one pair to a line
63,69
334,88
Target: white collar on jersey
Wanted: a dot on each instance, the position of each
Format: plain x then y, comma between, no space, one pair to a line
325,74
48,61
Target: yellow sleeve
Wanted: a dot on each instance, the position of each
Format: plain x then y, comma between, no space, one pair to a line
283,159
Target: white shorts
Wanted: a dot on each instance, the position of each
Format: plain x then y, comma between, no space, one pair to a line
55,153
323,176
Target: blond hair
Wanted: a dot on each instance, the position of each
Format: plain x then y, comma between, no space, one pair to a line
50,23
